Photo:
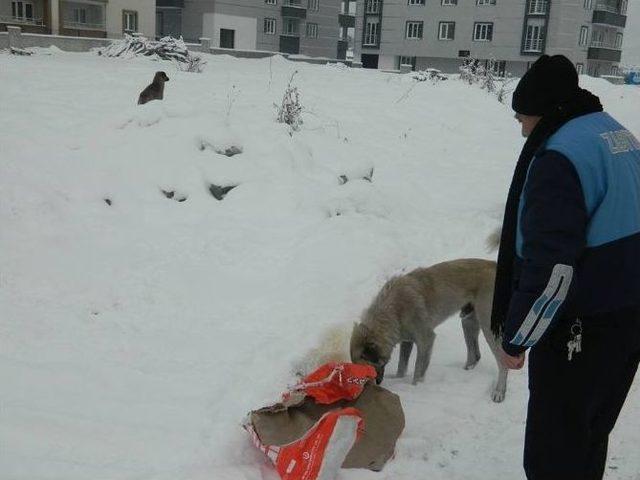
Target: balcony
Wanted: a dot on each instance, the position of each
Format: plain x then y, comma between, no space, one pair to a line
85,26
538,7
604,51
609,6
294,9
169,3
533,45
38,22
346,21
605,13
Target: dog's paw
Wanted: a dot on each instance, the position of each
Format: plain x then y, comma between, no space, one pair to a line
498,396
471,365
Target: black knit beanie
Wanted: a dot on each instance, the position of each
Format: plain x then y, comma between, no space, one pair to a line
549,82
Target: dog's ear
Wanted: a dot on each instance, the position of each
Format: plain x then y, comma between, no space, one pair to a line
358,340
359,333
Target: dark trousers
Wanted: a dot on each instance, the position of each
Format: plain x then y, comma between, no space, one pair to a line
574,405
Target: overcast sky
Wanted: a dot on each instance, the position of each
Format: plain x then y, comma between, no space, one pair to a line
631,43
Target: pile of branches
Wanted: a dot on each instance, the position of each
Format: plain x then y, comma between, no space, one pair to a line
167,48
432,74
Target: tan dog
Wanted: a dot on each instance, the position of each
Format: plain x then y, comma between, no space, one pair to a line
155,91
409,307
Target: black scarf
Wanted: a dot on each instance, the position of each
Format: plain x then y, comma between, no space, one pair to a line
581,104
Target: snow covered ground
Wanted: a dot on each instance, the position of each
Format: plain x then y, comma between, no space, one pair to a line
135,337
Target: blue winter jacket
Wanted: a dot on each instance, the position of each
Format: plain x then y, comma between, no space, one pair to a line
578,238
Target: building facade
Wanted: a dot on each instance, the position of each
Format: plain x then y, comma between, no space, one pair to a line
80,18
316,28
442,33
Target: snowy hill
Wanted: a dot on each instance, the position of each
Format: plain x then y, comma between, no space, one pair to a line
135,336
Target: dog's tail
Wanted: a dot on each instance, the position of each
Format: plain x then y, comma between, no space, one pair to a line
493,240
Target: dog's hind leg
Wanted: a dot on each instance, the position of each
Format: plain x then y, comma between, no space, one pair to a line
471,330
405,353
425,347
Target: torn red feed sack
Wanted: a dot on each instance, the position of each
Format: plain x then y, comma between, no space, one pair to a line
335,417
334,381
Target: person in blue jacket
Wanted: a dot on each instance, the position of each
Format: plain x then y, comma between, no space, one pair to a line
568,276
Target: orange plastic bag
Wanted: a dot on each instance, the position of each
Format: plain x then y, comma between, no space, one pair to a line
320,452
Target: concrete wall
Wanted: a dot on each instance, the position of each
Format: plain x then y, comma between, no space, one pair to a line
146,16
446,65
245,29
326,45
69,44
82,44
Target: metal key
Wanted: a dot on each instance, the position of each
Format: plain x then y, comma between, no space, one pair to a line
571,347
574,345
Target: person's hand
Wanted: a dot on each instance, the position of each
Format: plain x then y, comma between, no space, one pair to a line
512,363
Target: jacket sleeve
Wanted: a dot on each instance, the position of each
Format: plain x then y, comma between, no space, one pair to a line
553,224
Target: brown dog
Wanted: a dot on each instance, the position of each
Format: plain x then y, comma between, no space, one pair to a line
155,91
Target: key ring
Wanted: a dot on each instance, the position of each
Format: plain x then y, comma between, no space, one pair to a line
577,326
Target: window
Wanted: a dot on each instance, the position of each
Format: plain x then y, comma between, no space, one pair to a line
538,7
402,60
618,43
414,30
597,38
497,67
79,15
449,2
312,30
416,2
22,10
623,8
485,2
579,68
291,26
270,26
534,38
372,32
446,31
584,36
587,4
614,70
483,32
373,6
129,21
270,2
314,5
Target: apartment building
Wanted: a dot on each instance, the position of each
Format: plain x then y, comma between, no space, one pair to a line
442,33
80,18
317,28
